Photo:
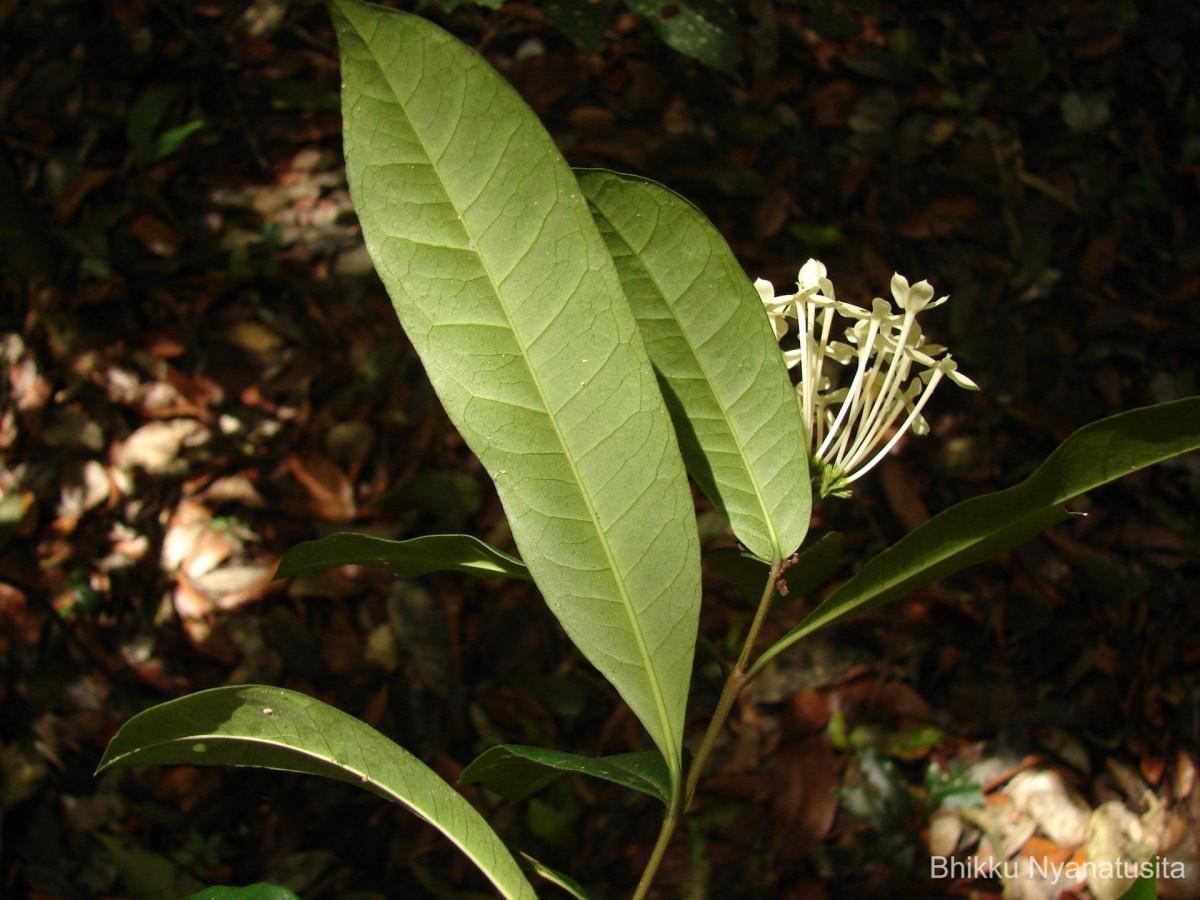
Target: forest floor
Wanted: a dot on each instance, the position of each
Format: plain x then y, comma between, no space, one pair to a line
200,369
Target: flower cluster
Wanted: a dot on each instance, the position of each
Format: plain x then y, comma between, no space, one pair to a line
846,425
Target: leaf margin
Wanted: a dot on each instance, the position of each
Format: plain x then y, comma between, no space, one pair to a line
1020,512
173,733
777,481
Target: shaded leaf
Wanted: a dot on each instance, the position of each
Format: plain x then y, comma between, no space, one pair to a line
1145,888
329,489
405,559
566,882
147,874
146,114
584,23
260,891
272,728
985,527
705,30
515,771
171,140
506,291
1085,112
717,358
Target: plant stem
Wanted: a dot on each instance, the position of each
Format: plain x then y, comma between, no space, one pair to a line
674,813
735,680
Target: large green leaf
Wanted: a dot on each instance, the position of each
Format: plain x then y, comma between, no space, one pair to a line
505,289
717,358
985,527
405,559
273,728
516,771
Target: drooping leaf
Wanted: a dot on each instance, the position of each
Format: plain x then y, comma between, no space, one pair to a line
516,771
273,728
717,359
705,30
986,527
506,291
405,559
566,882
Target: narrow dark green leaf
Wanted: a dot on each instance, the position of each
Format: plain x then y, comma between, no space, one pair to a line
272,728
405,559
566,882
985,527
516,771
717,359
506,291
147,113
171,140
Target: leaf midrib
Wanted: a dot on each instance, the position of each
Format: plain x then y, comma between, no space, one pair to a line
627,601
746,466
363,777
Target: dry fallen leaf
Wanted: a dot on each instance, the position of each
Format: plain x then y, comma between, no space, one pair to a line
1059,813
156,235
330,493
160,448
804,800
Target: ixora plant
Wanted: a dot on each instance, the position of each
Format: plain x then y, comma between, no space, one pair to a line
595,342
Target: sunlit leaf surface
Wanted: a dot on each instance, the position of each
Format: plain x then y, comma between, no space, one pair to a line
273,728
505,289
718,360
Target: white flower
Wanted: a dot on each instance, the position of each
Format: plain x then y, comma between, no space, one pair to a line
850,429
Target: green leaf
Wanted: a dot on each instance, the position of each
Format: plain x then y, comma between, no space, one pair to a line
260,891
811,570
566,882
505,289
405,559
584,23
147,874
705,30
515,771
171,140
986,527
272,728
717,359
147,113
1145,888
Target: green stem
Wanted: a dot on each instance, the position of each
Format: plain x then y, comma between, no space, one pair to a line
734,682
674,814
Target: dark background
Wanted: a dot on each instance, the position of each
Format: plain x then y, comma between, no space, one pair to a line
201,370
